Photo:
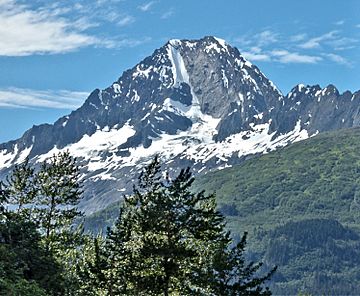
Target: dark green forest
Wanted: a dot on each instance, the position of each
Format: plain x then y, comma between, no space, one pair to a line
300,206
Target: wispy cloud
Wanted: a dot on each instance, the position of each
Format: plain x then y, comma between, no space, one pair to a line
272,46
126,20
58,28
266,37
338,59
316,41
133,42
343,43
298,37
25,31
255,54
340,22
29,98
286,57
168,14
147,6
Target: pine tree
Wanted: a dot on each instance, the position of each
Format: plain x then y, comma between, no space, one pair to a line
21,189
25,266
169,240
58,193
46,200
233,276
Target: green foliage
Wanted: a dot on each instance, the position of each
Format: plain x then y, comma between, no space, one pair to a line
169,240
21,188
39,247
20,288
91,268
58,193
25,265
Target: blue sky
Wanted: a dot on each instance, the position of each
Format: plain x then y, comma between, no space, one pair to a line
54,53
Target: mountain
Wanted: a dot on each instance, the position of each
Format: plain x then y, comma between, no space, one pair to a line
196,103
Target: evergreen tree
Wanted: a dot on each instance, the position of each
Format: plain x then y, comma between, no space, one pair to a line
25,266
58,193
40,227
169,240
233,276
92,269
21,188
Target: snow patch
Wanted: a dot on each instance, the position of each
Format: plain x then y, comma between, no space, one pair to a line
259,116
89,146
116,88
212,47
179,72
225,79
24,154
300,87
7,157
142,72
223,43
135,97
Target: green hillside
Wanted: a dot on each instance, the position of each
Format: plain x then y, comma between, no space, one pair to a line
301,207
315,178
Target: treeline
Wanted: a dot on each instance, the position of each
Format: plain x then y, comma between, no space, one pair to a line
167,239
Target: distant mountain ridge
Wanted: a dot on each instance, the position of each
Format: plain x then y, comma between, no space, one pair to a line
194,102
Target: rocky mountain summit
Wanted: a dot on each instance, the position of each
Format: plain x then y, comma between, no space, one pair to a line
193,102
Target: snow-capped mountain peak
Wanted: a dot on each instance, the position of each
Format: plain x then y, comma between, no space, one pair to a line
193,102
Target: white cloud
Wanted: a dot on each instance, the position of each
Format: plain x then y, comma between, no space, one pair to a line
316,42
132,42
340,22
286,57
25,31
126,20
168,14
338,59
266,37
29,98
298,37
271,46
343,43
146,6
255,56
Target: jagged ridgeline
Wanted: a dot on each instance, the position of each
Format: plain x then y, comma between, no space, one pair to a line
197,103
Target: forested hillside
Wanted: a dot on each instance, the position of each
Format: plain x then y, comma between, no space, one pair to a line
301,206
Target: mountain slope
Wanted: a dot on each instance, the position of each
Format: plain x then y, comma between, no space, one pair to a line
194,102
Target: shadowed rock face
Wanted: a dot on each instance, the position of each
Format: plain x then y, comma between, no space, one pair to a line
194,102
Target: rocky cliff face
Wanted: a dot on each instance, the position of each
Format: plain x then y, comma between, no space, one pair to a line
193,102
